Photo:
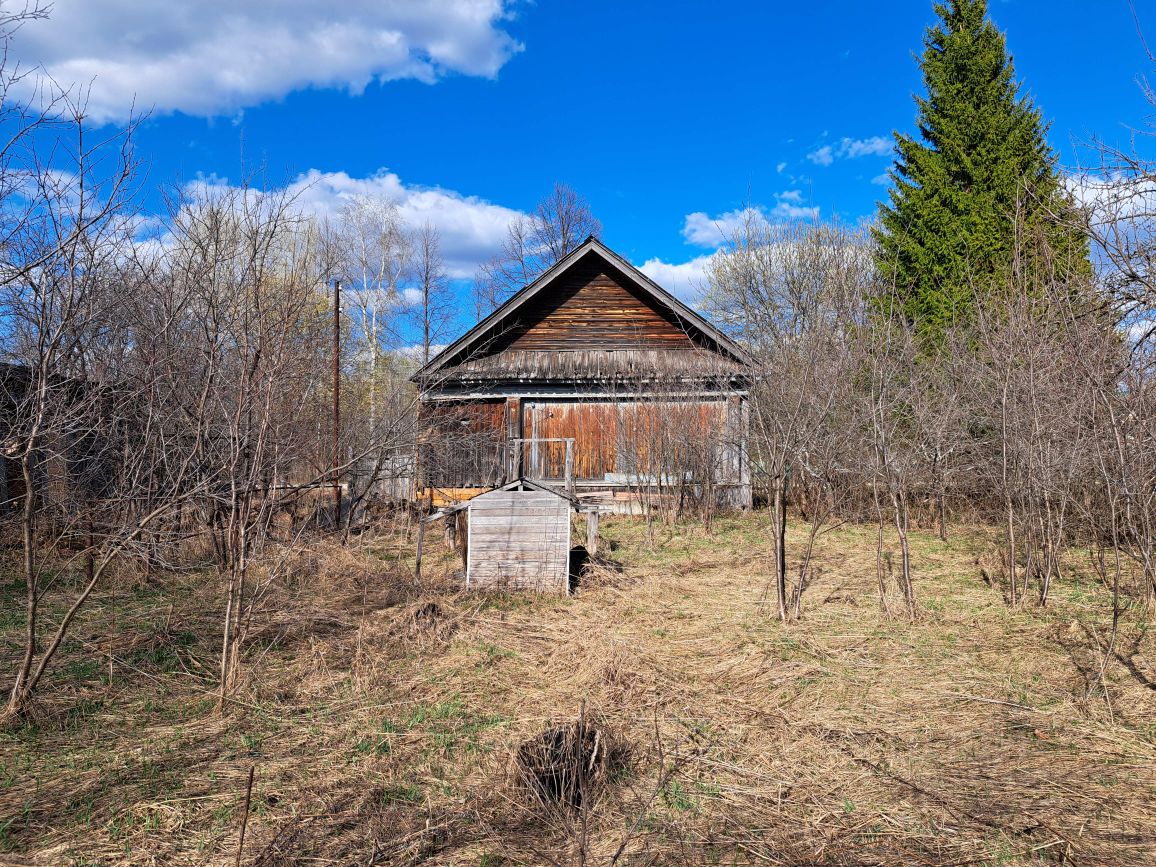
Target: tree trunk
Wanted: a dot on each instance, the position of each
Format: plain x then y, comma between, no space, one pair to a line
779,534
18,698
899,503
880,574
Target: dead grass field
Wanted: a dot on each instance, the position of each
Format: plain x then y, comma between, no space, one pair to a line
382,724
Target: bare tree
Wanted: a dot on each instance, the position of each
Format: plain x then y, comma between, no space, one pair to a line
534,242
431,309
372,249
793,295
80,419
1033,389
892,460
254,271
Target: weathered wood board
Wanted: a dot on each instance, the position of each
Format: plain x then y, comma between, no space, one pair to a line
519,540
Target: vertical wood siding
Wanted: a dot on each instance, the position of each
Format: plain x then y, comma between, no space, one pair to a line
619,436
462,444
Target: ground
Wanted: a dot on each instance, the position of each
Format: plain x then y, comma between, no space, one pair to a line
383,723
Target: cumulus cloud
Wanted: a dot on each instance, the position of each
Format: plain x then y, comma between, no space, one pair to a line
471,229
685,280
850,149
824,156
1113,196
213,57
876,146
703,230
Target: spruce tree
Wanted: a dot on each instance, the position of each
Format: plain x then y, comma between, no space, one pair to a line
981,158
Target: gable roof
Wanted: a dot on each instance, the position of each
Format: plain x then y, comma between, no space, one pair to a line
460,348
519,484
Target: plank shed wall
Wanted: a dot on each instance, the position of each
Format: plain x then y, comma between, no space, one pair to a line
519,540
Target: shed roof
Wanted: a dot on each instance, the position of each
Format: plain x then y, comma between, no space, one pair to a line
517,484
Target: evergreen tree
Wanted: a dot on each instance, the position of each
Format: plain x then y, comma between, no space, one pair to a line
980,170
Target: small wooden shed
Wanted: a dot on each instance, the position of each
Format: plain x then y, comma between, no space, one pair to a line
519,539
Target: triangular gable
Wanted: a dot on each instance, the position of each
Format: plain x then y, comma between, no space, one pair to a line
516,485
475,341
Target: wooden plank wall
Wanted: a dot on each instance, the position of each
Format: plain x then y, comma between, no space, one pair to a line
519,540
593,307
463,444
616,436
592,425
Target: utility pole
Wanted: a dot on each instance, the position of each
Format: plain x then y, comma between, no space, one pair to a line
336,404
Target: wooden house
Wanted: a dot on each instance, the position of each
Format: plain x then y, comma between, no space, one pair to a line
593,379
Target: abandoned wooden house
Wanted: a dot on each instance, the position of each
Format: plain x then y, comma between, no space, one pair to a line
592,379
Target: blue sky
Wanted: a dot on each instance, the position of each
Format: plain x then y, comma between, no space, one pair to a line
666,116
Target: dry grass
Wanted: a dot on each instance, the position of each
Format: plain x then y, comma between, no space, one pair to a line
385,726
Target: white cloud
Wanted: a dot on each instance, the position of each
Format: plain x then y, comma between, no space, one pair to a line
1113,196
780,168
414,352
1140,330
850,149
784,210
686,280
471,229
883,179
822,157
213,57
703,230
876,146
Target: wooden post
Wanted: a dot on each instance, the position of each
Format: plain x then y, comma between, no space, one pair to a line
245,816
592,532
514,469
461,520
336,404
420,543
570,467
421,539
